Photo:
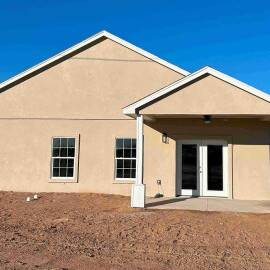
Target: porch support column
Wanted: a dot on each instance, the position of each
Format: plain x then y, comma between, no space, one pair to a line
138,189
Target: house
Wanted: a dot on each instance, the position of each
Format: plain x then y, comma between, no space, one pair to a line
106,116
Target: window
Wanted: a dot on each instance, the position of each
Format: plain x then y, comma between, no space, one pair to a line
125,159
63,157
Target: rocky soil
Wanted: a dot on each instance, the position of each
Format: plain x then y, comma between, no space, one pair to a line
91,231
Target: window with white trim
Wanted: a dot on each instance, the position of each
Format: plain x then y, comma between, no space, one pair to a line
63,158
125,158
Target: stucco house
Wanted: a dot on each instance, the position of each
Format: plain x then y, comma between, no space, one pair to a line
106,116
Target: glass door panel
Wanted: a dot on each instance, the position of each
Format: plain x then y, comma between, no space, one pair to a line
189,166
214,167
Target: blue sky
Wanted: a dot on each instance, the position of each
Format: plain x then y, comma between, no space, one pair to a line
232,36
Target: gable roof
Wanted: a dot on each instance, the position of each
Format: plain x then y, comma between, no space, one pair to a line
89,41
132,108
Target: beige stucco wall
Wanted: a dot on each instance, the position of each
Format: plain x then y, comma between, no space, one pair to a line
96,83
82,96
25,155
85,96
209,95
248,161
26,149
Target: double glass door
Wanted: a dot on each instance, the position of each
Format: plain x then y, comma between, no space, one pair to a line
202,168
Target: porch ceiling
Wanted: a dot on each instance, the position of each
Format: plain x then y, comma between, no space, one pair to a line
265,117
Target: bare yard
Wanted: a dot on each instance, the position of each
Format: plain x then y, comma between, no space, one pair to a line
90,231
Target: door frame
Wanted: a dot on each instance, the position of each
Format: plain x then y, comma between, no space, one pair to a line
215,193
202,168
179,190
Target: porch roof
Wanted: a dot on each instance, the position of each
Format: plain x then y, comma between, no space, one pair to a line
225,96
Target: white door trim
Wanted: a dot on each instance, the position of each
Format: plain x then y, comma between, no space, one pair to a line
202,168
205,191
179,190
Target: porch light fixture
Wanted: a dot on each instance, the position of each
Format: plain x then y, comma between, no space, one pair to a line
207,119
164,138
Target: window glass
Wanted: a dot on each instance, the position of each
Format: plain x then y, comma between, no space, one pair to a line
56,142
119,153
125,158
63,156
71,142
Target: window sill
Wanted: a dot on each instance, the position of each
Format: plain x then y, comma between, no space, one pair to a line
123,181
63,180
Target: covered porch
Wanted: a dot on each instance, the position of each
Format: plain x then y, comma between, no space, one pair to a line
225,157
206,135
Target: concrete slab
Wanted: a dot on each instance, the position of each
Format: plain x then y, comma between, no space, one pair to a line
209,204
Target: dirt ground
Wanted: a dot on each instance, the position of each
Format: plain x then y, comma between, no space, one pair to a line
91,231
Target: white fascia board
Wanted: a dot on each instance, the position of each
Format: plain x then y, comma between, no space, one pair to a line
131,109
146,54
85,43
252,90
52,59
